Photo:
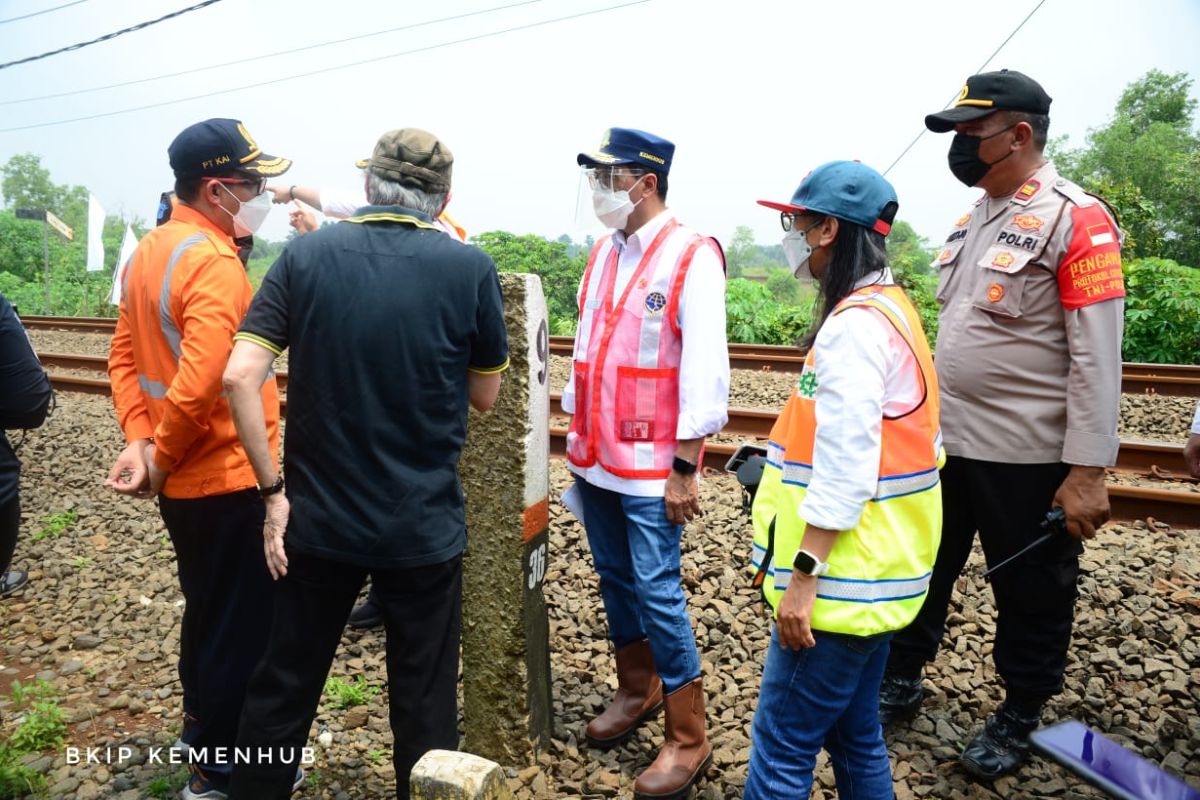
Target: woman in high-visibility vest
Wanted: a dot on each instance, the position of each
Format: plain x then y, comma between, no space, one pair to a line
848,513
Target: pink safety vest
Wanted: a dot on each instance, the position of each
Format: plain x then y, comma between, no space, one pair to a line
626,359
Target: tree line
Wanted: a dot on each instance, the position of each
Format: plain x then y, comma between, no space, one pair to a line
1144,162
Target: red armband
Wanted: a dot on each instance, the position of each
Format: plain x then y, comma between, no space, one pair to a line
1090,272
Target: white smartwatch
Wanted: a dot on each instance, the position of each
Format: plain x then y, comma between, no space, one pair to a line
807,564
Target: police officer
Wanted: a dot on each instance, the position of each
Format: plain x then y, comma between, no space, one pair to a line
1029,363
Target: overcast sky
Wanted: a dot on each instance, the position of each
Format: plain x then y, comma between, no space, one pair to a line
753,93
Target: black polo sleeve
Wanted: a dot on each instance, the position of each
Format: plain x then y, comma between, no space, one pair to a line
266,322
489,345
26,394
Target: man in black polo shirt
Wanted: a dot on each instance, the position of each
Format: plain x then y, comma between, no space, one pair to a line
392,329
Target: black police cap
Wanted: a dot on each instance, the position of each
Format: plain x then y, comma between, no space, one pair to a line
1005,90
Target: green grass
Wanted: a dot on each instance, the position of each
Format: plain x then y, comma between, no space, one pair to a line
83,562
41,728
344,694
377,756
54,524
17,780
167,785
24,694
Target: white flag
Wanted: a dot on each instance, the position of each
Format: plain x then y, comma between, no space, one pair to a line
95,246
128,245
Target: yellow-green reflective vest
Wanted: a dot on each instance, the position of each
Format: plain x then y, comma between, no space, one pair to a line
879,571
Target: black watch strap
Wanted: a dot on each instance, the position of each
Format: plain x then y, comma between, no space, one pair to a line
274,488
683,466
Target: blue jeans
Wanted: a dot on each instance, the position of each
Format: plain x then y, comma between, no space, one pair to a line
636,554
825,695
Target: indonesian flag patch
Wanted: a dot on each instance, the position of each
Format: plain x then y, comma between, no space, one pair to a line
1090,272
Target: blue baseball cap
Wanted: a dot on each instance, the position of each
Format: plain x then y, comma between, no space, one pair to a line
221,145
848,190
629,146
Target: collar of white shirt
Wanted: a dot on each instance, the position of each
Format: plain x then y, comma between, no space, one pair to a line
881,276
637,241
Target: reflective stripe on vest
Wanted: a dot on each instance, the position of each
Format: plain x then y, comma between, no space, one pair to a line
155,389
851,590
890,486
880,570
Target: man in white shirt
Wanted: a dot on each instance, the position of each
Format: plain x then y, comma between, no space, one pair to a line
649,381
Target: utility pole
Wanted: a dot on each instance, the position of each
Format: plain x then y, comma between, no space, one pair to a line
46,259
47,218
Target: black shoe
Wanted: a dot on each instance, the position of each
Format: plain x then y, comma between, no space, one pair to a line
1002,746
368,615
12,580
899,697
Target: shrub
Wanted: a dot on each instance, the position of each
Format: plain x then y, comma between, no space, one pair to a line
752,315
1162,312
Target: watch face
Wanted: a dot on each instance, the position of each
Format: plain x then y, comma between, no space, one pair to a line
805,563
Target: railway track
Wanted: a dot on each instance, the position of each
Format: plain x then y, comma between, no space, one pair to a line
1149,459
1178,380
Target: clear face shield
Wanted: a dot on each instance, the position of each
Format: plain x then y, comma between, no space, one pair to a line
601,194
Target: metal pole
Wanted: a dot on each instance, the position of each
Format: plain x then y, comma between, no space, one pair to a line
46,259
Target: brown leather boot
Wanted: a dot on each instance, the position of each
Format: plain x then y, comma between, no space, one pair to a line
638,697
686,753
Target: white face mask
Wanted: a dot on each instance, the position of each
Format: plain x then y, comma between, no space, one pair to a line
798,252
251,213
613,206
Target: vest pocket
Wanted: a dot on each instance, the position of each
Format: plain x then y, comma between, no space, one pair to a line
647,404
583,404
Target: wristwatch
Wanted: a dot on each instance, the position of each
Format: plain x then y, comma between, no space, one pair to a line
274,488
807,564
683,466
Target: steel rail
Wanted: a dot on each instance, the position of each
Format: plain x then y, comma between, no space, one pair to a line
1173,380
746,423
1177,508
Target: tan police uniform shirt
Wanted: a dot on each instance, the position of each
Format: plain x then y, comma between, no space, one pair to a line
1029,340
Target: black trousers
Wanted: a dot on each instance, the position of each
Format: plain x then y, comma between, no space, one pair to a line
422,611
228,594
1035,595
10,523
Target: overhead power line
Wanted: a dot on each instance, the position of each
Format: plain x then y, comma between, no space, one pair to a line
43,11
113,35
324,70
982,67
270,55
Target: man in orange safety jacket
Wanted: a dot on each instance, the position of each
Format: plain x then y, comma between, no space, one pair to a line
183,298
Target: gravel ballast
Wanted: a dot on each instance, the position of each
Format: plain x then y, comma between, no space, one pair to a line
100,621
